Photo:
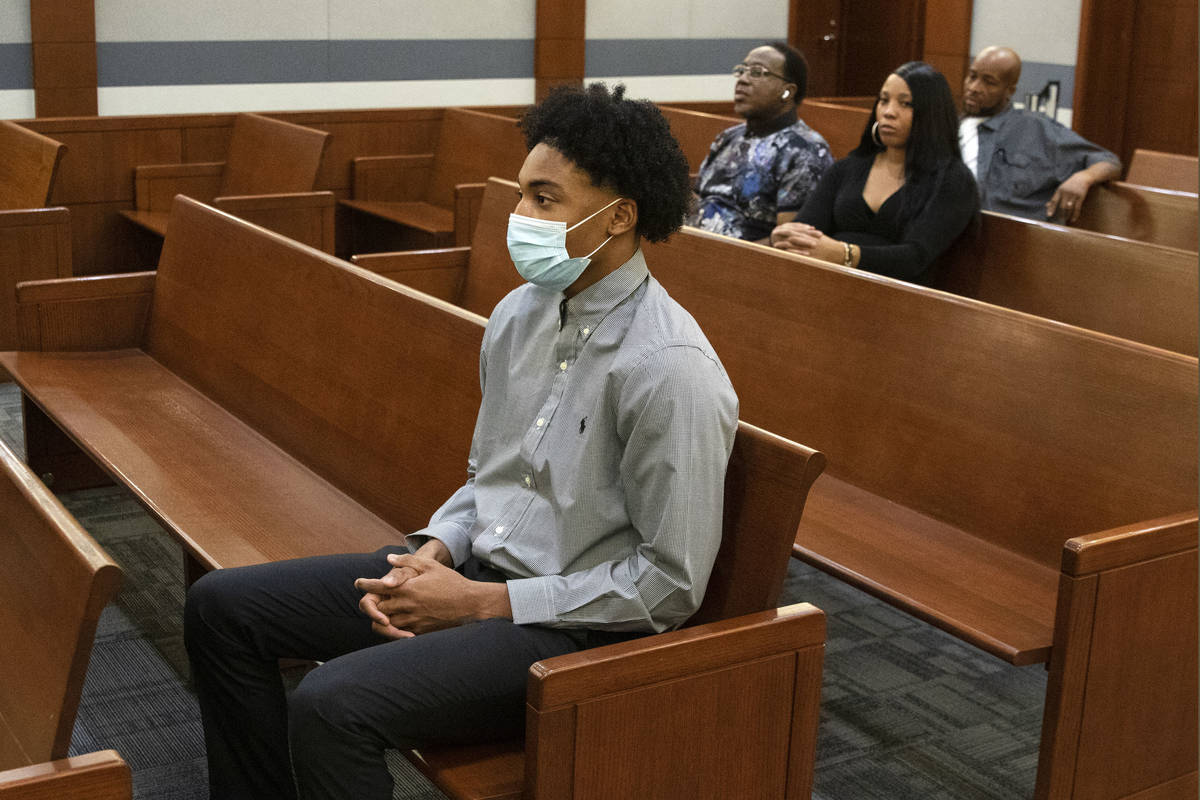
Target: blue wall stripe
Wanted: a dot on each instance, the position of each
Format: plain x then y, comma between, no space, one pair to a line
16,66
206,63
617,57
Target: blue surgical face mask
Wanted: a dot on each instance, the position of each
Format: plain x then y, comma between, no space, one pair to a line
538,248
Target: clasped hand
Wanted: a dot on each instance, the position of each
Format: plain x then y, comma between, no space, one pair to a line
796,237
417,595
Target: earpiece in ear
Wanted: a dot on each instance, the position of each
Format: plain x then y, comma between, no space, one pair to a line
787,93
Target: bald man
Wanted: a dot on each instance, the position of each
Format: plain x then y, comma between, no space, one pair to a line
1025,163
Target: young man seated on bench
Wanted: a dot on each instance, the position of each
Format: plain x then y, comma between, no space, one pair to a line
592,510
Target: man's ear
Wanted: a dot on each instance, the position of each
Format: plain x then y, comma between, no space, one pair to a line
625,217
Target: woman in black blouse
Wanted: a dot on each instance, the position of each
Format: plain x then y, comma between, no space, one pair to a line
902,196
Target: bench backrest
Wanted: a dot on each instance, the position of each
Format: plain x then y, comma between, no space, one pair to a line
766,485
1135,290
473,145
269,156
372,385
27,168
1160,170
1139,212
840,125
491,273
1017,429
54,582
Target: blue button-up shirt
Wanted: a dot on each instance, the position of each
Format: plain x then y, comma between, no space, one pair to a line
597,467
1024,156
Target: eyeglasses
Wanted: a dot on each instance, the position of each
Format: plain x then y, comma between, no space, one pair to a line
754,72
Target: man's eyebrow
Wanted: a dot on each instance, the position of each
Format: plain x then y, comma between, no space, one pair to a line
543,183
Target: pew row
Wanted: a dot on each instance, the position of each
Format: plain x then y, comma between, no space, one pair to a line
94,776
267,401
974,452
1158,170
1134,290
54,582
267,178
1140,212
35,241
433,197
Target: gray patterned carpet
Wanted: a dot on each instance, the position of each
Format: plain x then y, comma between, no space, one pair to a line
906,711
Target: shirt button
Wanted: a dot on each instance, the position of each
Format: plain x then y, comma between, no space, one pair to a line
563,366
528,481
586,331
541,421
499,529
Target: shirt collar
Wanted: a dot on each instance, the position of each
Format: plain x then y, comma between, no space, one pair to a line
996,120
774,125
606,293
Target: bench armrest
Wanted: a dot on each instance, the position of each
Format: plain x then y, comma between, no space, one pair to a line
468,198
752,683
96,776
1129,545
396,178
307,217
106,312
155,185
440,273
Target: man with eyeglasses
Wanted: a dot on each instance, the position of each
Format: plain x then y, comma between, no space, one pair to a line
758,174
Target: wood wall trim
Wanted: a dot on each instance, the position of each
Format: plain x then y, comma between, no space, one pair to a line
559,45
64,57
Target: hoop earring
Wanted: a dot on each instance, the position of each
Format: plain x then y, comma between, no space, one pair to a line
875,134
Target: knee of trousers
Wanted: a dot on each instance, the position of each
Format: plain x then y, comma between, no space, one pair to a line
318,711
211,603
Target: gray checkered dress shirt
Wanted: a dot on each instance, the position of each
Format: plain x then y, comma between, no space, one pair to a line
597,468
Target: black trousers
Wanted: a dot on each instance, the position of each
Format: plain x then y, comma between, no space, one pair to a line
457,685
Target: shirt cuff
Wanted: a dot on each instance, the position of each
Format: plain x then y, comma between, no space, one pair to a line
449,534
532,600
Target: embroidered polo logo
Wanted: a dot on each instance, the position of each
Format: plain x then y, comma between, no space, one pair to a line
582,424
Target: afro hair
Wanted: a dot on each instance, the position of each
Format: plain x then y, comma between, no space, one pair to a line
623,145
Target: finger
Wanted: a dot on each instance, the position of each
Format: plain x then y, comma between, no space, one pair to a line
413,562
369,605
391,631
1052,206
1075,207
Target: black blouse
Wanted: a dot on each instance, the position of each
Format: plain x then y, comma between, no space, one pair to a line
895,240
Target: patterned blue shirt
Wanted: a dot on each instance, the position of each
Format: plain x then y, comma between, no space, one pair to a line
746,180
597,470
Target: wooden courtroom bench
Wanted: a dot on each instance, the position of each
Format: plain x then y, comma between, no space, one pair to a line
1139,212
1135,290
1159,170
434,197
265,401
1023,484
54,582
267,178
35,241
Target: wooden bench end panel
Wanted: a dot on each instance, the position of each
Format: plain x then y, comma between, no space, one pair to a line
155,185
491,274
625,729
88,313
44,553
401,178
439,273
307,217
102,775
1159,170
1123,674
34,245
473,146
28,168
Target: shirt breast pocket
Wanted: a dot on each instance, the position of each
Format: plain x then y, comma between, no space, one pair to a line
1025,174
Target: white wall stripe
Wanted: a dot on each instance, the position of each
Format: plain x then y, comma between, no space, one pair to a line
125,100
16,104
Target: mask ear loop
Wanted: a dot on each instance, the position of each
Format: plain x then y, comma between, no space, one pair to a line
589,216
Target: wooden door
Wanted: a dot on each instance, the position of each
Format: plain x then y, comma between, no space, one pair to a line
878,36
815,27
1136,75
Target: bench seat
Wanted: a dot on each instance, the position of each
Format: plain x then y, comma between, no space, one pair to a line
194,465
425,217
153,221
996,599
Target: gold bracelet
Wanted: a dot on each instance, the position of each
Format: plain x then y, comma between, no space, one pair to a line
849,254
